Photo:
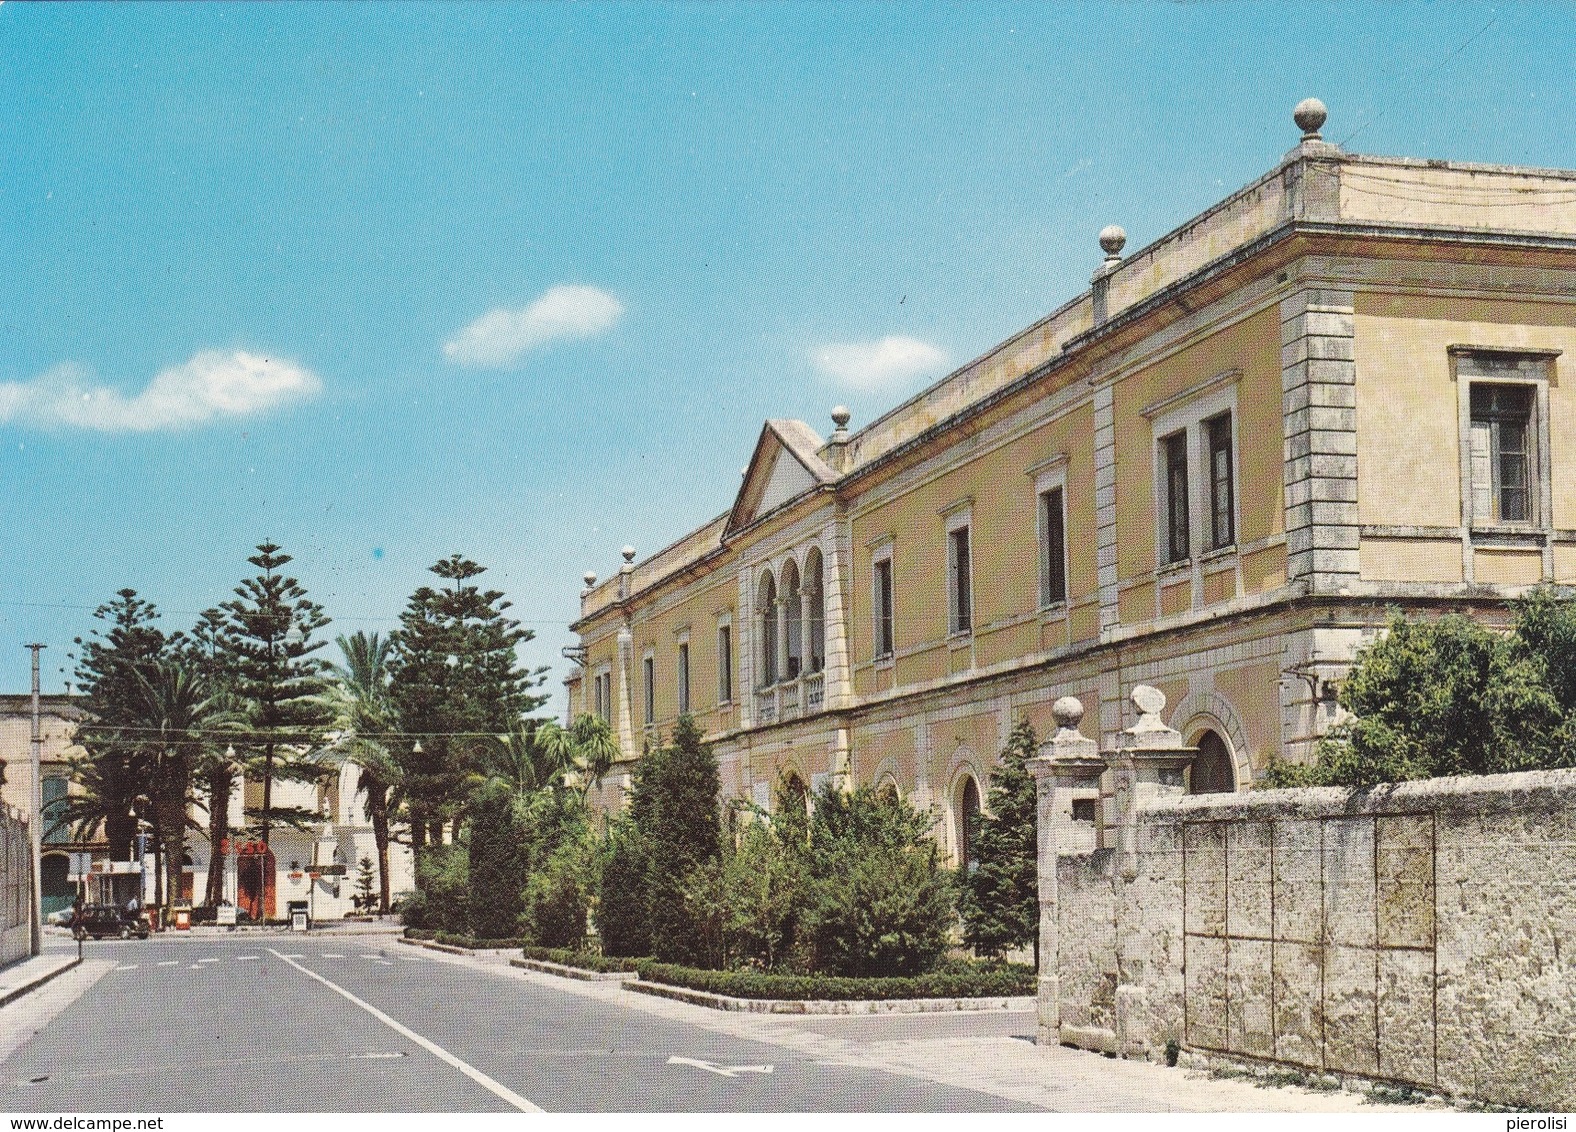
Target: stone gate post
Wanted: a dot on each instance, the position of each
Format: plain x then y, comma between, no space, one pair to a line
1066,769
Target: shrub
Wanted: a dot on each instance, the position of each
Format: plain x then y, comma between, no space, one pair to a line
558,894
582,959
952,980
442,874
879,901
999,898
499,860
675,808
621,900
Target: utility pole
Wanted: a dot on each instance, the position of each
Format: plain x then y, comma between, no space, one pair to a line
35,819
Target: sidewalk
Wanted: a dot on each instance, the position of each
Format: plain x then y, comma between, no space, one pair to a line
29,974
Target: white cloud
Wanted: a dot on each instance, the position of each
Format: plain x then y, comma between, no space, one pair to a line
213,384
502,337
869,365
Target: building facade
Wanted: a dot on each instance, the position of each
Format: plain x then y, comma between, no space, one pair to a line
1336,391
317,865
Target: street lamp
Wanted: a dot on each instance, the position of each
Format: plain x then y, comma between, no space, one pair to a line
36,811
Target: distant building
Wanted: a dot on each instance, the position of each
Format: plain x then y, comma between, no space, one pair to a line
261,881
1342,388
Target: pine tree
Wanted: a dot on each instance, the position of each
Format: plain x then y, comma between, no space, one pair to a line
453,676
366,883
268,634
114,666
675,808
1000,902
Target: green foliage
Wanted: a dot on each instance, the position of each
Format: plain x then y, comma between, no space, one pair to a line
674,809
998,899
442,888
952,980
453,673
1452,697
621,894
267,637
585,960
558,894
366,882
879,901
499,859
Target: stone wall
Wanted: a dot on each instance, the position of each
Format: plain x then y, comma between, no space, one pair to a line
1423,934
16,888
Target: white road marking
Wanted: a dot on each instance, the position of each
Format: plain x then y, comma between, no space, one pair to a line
372,957
127,967
375,1056
332,955
412,959
503,1092
244,958
195,967
207,961
292,955
720,1070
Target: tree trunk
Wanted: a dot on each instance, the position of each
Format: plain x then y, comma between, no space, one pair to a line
158,860
268,792
220,785
378,803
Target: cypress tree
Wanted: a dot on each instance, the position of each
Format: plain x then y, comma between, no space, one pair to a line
999,899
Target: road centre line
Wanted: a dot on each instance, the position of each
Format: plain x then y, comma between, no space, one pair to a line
170,963
331,955
244,958
503,1092
128,967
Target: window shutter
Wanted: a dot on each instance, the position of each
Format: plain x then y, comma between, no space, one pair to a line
1482,472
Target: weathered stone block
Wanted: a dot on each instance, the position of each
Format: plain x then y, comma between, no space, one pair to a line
1351,1038
1206,992
1248,899
1249,978
1349,881
1204,899
1404,872
1299,1004
1406,1015
1299,894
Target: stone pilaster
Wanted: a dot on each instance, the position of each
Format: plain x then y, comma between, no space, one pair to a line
836,562
1319,403
1105,506
744,650
626,730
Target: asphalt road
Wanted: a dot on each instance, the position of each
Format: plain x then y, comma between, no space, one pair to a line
219,1024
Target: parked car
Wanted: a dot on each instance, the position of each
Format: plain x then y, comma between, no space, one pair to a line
100,920
60,917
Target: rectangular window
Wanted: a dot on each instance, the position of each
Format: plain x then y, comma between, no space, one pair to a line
602,695
1053,544
684,695
883,607
1174,450
1501,453
962,619
650,668
725,664
1222,499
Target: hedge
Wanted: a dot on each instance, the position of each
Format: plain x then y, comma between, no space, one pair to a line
470,942
582,959
958,979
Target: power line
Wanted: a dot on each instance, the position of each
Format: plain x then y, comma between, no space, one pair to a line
1428,75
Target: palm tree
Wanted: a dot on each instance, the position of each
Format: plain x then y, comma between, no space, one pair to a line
174,708
364,718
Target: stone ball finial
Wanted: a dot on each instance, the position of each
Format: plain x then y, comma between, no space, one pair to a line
1149,700
1112,241
629,553
841,416
1068,712
1309,116
589,578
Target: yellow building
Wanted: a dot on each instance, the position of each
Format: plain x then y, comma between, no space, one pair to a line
1337,390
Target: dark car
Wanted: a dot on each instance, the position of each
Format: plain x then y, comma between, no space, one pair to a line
100,920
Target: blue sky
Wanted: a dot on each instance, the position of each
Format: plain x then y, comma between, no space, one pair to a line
386,282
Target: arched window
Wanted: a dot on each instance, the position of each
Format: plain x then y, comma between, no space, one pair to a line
766,618
1212,771
968,810
815,610
887,791
794,792
793,623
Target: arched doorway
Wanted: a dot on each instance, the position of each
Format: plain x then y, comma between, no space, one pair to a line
766,612
255,877
1212,771
793,792
55,891
968,811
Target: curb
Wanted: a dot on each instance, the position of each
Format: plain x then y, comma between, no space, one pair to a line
9,996
549,968
830,1006
451,949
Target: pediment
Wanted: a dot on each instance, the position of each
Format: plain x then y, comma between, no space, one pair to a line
785,466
